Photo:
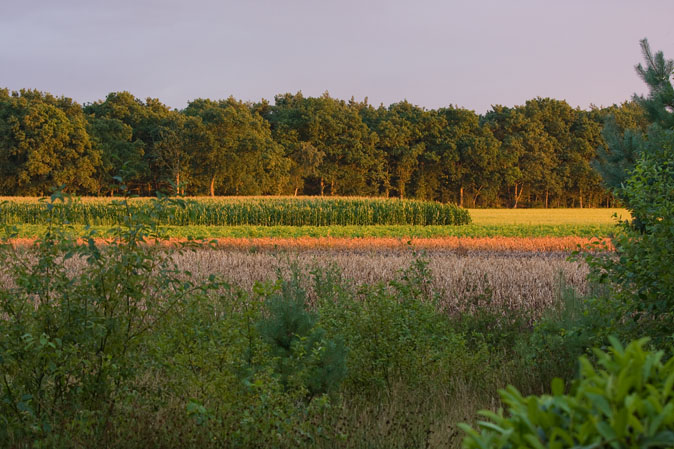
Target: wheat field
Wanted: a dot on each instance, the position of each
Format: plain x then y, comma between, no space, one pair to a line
502,279
496,279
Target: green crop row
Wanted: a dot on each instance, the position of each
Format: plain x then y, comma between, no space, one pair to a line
256,211
400,231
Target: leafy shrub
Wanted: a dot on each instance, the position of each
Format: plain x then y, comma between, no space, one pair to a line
69,339
306,357
566,332
395,333
642,274
626,401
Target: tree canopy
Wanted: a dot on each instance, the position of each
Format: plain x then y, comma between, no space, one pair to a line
539,154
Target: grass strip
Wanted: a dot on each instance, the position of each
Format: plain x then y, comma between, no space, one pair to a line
473,230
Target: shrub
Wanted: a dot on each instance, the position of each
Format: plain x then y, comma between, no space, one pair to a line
396,334
642,274
625,401
306,357
69,340
567,331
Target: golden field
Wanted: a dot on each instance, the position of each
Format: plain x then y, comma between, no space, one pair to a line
511,279
547,216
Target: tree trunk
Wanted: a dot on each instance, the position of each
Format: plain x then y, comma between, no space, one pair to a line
296,189
477,194
518,196
580,198
322,186
332,188
213,186
178,184
461,197
547,194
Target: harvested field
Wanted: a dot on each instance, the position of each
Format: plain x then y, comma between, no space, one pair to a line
587,216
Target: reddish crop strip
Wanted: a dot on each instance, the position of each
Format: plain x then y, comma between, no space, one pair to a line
529,244
538,244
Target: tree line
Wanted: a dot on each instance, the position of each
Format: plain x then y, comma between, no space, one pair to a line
540,154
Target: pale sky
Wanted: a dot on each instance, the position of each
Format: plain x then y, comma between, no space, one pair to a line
433,53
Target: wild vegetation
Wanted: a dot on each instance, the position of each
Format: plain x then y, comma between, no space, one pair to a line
115,342
626,401
122,344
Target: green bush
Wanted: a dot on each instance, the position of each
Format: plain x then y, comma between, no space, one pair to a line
642,274
396,334
306,357
626,401
567,331
69,340
645,248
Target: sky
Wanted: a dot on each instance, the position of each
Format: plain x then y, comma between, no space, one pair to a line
432,53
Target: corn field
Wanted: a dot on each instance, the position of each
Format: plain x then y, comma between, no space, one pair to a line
258,211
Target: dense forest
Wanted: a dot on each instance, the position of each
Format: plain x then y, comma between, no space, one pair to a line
540,154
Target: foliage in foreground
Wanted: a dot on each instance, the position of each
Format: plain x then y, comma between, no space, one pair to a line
643,274
130,351
127,350
626,401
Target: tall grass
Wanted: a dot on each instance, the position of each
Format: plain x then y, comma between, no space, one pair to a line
258,211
